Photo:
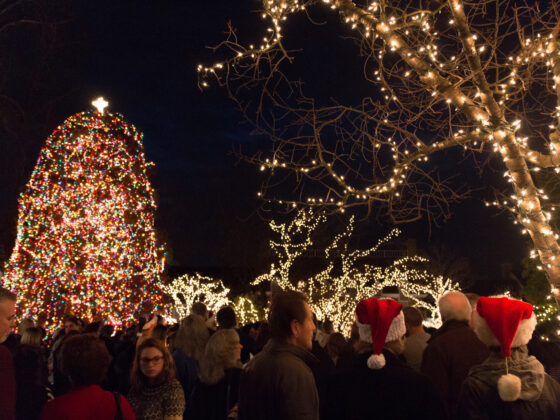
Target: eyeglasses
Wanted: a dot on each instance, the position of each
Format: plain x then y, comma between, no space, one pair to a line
147,360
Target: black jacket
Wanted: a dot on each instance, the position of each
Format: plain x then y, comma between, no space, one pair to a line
540,394
214,402
393,392
278,384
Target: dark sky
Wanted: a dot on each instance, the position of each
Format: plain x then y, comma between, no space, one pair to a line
141,56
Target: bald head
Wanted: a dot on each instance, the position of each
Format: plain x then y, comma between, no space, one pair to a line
454,305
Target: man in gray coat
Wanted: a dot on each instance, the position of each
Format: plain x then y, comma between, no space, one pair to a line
278,383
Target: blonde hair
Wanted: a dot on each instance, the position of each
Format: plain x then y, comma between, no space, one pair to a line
219,355
192,337
32,337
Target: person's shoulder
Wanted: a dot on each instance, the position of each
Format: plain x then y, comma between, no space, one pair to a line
174,385
278,361
5,352
552,385
51,409
126,408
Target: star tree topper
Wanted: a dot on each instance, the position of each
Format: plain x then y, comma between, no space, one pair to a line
100,103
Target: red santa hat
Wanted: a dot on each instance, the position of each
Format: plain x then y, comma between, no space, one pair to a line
507,323
379,321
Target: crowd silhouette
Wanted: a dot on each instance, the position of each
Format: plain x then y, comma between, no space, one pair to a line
480,364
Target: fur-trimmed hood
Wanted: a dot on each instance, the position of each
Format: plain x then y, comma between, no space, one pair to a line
527,368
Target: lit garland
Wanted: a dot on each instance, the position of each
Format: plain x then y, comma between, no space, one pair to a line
547,312
85,242
294,239
432,50
190,288
334,296
245,310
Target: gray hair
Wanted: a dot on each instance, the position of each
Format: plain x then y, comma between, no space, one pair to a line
454,305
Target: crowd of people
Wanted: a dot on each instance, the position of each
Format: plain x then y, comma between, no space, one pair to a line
480,364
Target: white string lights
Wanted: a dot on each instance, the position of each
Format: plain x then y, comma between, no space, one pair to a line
447,56
335,291
190,288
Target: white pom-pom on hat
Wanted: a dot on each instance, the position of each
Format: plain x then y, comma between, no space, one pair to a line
376,361
509,387
379,321
508,323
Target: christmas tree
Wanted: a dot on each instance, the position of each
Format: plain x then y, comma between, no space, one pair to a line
85,242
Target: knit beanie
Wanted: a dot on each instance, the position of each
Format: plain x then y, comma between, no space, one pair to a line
507,323
379,321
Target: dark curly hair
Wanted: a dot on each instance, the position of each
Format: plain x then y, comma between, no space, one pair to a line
85,360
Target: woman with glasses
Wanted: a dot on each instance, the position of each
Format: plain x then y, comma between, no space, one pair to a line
155,394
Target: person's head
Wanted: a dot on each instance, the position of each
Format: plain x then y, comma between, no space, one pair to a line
7,313
290,319
413,320
93,328
106,330
506,324
160,333
153,364
380,324
335,346
130,334
25,324
71,323
32,337
84,359
223,351
192,336
262,337
199,309
454,305
473,298
226,318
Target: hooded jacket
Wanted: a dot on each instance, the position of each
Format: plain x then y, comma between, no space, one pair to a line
278,384
540,394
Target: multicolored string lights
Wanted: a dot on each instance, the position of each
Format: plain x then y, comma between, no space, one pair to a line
86,243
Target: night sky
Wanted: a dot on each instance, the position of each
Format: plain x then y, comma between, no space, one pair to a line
142,56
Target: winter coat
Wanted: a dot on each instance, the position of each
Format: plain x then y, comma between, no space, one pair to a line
86,403
452,350
540,394
393,392
278,384
30,369
7,385
215,402
186,370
